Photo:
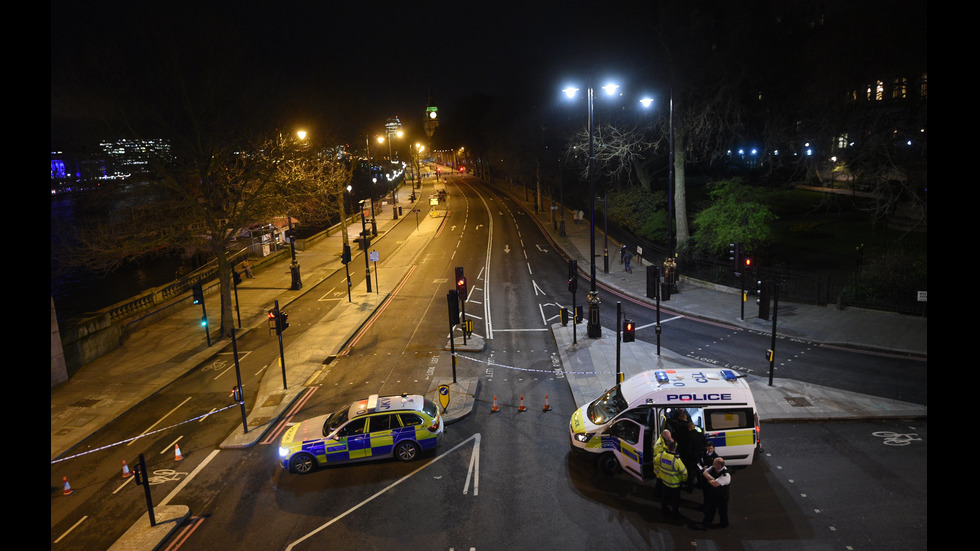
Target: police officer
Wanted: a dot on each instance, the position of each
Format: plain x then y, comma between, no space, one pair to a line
717,481
671,472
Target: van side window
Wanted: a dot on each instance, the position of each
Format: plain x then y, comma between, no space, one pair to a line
724,419
625,430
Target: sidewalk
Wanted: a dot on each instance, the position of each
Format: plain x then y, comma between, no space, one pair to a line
155,356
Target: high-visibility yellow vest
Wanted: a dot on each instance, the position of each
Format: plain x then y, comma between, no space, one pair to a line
670,469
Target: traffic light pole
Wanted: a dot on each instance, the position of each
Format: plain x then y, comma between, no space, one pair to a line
282,356
238,375
619,311
775,311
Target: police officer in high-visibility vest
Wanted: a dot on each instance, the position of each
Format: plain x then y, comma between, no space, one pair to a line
671,472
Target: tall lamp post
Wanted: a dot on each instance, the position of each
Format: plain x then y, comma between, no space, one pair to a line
374,224
594,330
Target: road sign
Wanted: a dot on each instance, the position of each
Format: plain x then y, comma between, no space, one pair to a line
373,255
444,396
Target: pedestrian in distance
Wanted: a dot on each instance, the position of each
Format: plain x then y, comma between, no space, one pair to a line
718,484
622,253
670,469
247,267
626,260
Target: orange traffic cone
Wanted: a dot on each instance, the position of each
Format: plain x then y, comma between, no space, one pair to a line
126,472
522,408
494,408
546,406
68,489
177,455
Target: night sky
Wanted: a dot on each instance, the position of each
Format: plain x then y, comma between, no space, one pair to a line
345,65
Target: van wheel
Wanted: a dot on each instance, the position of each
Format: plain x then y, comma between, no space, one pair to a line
608,463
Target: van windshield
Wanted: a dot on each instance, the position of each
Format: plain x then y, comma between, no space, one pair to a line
606,407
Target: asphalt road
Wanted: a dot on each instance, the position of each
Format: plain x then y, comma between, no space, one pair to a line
500,480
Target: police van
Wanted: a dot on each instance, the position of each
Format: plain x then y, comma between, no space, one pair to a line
620,427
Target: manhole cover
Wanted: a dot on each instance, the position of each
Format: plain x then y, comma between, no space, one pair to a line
798,401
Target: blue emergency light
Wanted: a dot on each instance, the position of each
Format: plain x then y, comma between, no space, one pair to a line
662,377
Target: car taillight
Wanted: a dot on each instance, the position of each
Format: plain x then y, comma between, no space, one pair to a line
435,424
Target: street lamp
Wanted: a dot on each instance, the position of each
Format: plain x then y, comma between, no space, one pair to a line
371,180
296,280
594,330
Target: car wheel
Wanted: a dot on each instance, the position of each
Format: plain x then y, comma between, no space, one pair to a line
608,463
302,463
406,450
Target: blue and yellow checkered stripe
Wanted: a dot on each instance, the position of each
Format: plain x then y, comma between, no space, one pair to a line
741,437
369,445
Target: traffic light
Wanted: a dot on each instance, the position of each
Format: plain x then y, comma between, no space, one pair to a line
747,263
236,277
629,331
735,255
452,297
204,321
345,254
762,294
460,282
578,313
563,314
198,293
282,322
769,354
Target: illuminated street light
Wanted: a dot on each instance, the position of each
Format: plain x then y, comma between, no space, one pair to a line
594,329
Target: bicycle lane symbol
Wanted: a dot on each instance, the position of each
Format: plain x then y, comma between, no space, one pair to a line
161,476
896,439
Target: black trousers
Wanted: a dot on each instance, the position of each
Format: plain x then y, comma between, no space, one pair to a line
670,499
714,503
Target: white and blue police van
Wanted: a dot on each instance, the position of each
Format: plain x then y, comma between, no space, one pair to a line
620,427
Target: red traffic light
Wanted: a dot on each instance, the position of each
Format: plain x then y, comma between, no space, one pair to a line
748,262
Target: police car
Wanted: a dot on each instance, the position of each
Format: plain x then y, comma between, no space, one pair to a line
373,428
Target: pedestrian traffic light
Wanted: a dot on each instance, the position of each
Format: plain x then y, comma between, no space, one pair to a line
282,322
563,314
204,321
769,354
629,331
198,293
578,313
345,254
236,277
572,284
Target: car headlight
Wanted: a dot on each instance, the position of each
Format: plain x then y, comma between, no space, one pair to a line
582,437
283,452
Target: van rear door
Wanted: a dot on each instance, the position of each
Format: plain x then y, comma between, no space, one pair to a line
732,431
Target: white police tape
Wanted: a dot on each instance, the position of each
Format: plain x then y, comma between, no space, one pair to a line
142,435
494,364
